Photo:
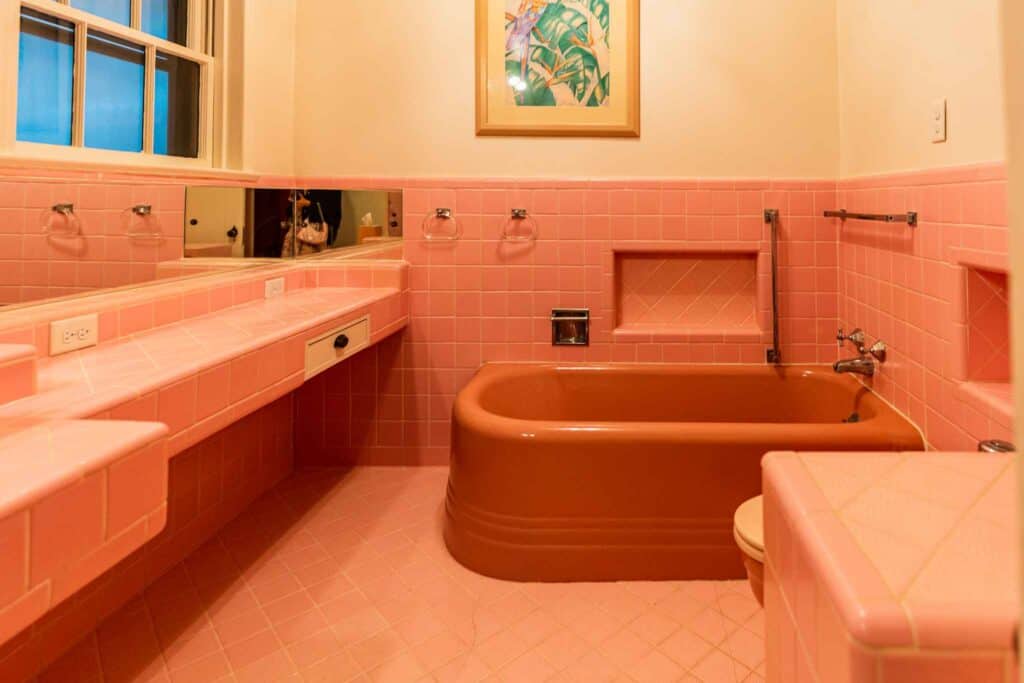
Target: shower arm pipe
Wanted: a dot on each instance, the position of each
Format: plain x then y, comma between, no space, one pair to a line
771,218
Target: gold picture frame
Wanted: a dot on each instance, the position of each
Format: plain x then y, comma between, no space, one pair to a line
573,78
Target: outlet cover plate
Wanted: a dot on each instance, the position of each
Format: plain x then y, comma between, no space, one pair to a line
72,334
272,288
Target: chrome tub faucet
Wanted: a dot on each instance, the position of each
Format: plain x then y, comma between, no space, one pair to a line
864,364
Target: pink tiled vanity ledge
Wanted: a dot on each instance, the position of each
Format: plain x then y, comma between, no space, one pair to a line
884,567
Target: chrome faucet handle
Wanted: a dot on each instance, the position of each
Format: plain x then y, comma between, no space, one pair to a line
857,337
879,350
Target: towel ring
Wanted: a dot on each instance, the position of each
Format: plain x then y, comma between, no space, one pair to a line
72,224
433,220
144,212
519,219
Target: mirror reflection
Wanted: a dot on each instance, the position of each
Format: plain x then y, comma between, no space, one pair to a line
236,222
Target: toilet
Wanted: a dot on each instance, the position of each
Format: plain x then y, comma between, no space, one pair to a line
748,530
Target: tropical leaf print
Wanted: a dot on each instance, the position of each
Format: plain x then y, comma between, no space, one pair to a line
557,52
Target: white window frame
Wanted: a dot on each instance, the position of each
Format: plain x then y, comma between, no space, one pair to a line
197,49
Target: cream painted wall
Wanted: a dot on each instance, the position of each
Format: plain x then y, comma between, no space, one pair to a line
729,88
269,110
895,57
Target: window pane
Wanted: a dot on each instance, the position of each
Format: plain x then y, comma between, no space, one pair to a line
167,19
46,56
176,121
114,85
115,10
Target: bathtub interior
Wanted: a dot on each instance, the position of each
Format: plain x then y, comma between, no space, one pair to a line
660,394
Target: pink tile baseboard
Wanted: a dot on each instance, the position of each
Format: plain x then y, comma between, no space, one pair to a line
17,371
76,498
886,563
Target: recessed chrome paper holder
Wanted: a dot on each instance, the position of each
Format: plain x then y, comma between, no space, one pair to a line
143,210
437,218
518,218
570,327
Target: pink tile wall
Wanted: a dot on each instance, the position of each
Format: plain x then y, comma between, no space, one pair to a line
36,265
909,287
208,485
479,299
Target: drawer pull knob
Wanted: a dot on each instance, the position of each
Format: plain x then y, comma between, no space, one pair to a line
341,341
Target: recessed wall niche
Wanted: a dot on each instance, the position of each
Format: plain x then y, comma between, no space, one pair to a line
686,291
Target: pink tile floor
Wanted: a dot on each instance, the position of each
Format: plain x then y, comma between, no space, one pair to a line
342,575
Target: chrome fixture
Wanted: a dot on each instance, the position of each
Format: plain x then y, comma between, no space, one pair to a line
72,226
996,446
771,218
517,219
910,217
865,363
858,366
143,210
435,219
570,327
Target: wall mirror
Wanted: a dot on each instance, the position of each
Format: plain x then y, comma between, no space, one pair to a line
240,222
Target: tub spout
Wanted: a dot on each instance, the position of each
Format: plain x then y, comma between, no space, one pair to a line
859,366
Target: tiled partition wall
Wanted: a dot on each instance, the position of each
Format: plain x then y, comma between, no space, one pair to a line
110,246
480,299
909,286
208,485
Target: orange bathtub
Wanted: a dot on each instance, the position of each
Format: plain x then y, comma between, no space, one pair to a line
613,472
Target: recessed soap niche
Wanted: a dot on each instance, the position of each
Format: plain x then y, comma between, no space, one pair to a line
686,291
988,326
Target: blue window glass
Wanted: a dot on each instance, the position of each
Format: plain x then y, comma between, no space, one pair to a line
115,10
46,56
167,19
176,115
114,85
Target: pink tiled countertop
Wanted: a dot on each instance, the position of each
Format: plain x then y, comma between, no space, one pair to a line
200,374
914,550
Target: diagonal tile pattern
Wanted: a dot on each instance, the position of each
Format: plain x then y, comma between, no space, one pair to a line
343,575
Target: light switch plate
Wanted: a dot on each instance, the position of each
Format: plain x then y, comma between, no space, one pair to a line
71,334
272,288
937,120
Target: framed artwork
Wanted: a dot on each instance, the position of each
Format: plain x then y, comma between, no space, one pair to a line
558,67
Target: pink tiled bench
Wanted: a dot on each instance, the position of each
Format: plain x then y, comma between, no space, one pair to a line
76,497
890,567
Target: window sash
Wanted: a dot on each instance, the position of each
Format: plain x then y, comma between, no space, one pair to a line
194,50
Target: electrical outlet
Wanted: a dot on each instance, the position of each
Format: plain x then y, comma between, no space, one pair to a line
272,288
937,120
74,333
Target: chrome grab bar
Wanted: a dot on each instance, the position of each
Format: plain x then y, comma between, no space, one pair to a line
771,217
910,217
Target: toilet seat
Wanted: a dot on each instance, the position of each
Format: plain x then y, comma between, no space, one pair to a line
748,528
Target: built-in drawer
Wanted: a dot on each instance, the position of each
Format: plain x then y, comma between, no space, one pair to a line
336,346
